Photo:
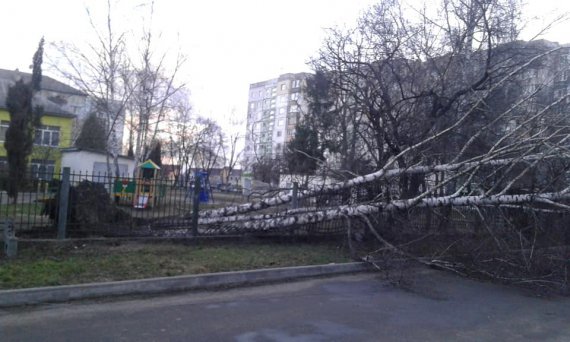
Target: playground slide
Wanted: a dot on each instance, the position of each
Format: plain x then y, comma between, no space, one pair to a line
142,202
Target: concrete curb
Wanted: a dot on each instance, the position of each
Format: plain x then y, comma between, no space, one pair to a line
39,295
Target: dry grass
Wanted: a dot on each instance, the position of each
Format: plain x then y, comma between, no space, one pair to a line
96,263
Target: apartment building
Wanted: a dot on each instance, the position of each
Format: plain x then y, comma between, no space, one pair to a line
274,108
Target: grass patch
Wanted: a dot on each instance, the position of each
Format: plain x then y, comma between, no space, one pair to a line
31,209
95,263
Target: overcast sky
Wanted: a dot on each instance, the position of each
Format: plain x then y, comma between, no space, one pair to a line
229,43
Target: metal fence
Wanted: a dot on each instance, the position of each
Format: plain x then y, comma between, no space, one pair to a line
109,206
102,205
98,204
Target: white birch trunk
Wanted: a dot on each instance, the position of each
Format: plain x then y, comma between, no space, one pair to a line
375,176
266,222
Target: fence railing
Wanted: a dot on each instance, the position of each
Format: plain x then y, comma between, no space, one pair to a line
99,204
83,204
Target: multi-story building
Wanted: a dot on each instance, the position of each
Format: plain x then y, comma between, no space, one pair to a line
62,105
274,108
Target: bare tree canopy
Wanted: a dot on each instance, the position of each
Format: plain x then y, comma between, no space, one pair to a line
438,109
128,85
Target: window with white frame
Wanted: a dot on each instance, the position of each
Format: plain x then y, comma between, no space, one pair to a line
296,84
280,122
47,136
283,86
282,100
42,169
294,96
3,129
294,109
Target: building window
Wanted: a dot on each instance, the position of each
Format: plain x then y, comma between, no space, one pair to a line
3,129
282,100
278,133
296,84
280,122
42,169
294,109
252,105
294,96
47,136
283,86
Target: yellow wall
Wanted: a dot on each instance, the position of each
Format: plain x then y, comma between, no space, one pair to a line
44,152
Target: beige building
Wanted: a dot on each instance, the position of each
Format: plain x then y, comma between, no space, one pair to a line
274,108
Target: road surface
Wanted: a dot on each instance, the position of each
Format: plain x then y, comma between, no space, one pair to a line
432,306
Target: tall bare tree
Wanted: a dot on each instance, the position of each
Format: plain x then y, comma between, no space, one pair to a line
152,81
98,68
231,139
123,81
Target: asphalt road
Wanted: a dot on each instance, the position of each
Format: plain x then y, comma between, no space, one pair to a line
433,306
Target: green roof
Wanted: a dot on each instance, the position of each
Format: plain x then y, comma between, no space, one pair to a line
149,164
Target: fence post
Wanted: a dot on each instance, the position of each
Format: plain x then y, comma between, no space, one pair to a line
63,204
10,241
195,205
294,202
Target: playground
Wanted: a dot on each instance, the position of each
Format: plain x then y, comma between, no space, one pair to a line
114,203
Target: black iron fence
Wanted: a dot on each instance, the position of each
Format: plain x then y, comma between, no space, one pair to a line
98,204
86,204
83,204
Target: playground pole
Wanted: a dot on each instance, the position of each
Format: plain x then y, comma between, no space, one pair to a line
195,205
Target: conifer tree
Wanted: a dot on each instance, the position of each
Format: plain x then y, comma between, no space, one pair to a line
24,117
93,135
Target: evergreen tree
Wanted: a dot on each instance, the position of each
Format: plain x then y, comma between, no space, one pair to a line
156,154
130,152
304,152
93,135
322,117
313,133
24,117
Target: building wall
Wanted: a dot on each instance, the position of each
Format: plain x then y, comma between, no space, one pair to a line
274,108
51,153
84,162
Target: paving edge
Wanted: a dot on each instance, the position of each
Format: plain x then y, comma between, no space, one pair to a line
52,294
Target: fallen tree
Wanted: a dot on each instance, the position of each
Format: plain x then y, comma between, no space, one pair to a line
457,118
